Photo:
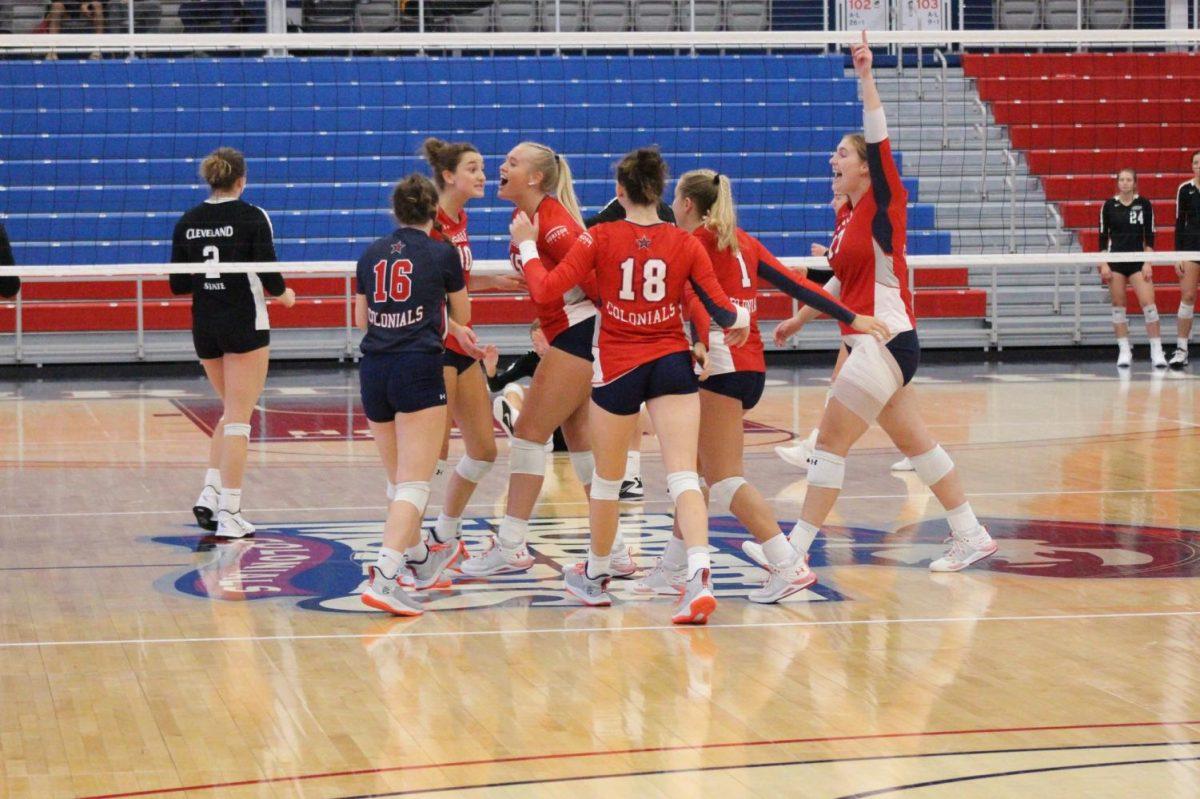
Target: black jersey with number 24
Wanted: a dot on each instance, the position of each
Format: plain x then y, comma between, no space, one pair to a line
226,231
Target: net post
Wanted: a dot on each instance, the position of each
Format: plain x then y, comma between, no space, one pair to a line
941,57
141,321
920,72
983,129
1011,182
18,330
1078,306
349,318
995,320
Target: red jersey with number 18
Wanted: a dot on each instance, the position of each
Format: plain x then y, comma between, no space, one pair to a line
640,272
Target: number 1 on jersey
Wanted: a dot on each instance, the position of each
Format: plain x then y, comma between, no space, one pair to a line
654,280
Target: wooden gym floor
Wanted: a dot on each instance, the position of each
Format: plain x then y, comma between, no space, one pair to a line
137,659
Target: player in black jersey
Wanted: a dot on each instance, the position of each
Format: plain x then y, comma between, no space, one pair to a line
229,325
406,281
9,286
1187,238
1127,225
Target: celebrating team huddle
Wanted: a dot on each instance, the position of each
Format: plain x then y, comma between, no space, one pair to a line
614,303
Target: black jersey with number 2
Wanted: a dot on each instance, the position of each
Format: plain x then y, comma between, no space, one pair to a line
1126,228
226,231
405,277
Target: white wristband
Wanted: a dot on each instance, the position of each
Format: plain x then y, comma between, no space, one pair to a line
875,125
529,251
743,318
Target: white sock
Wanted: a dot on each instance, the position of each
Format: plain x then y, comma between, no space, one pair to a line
802,536
391,491
597,565
697,559
212,477
618,542
675,555
1123,343
633,465
779,551
512,532
416,554
446,528
962,521
441,468
812,439
1181,343
390,562
1156,344
231,500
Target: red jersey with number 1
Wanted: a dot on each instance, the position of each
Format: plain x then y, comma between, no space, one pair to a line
454,231
557,231
640,272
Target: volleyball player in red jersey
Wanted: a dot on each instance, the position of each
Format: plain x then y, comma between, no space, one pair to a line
732,379
537,181
867,257
459,177
640,266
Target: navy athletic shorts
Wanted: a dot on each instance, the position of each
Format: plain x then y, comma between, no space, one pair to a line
670,374
577,339
404,382
744,386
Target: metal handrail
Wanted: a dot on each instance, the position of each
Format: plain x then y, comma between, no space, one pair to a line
945,80
983,132
1053,237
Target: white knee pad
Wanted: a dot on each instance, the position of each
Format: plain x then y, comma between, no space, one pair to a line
1119,316
242,430
1185,311
679,483
605,489
470,469
1150,314
721,493
826,470
932,466
527,457
584,465
414,493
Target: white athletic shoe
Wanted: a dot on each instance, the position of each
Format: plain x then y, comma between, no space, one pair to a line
388,594
428,573
1179,358
233,525
621,563
1124,358
662,580
697,603
754,551
591,591
964,551
903,465
496,559
797,454
205,509
1157,359
783,582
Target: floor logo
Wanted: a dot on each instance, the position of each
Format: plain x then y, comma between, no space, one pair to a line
323,565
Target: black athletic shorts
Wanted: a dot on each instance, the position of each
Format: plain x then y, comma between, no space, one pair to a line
213,340
577,339
404,382
1128,269
744,386
460,362
670,374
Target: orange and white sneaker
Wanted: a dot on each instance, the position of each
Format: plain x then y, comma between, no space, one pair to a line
591,591
387,594
428,573
696,603
498,559
783,581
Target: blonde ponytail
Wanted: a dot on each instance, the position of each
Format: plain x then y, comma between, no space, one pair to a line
712,194
556,177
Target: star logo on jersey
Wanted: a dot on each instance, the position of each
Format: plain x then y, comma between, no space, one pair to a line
397,248
323,566
643,242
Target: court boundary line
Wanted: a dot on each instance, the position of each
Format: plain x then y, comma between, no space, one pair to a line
586,630
580,502
684,748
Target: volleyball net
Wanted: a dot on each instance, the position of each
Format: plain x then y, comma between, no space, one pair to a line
1008,141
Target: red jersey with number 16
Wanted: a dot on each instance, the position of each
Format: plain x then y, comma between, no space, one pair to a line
454,231
557,231
640,272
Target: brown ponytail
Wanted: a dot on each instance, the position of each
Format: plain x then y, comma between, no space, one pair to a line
414,200
444,157
643,174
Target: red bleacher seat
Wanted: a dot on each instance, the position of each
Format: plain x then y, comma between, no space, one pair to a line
1094,187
